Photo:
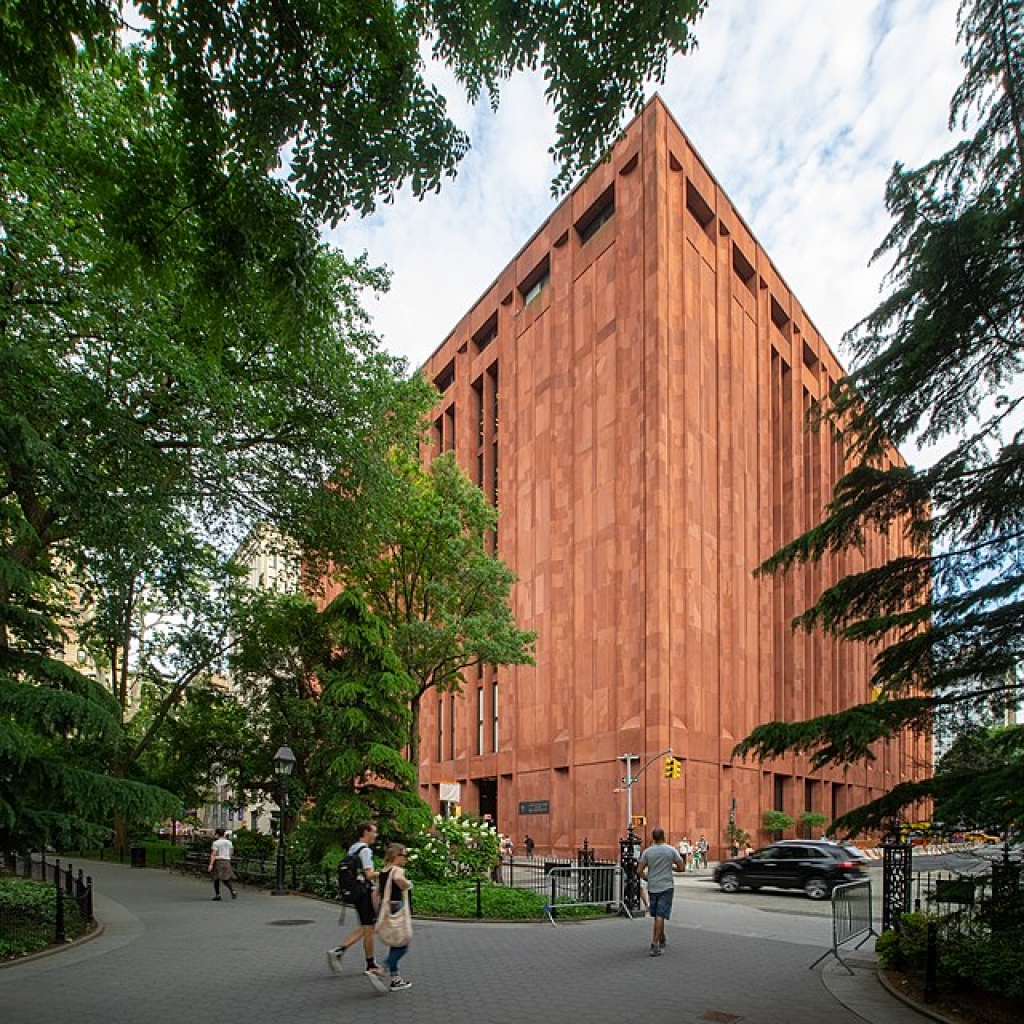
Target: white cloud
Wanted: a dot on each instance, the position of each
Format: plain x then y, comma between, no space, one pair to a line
798,107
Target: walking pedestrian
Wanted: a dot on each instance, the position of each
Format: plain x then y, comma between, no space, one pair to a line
366,910
528,843
656,864
394,887
220,864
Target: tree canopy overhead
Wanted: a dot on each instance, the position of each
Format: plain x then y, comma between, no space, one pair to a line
342,85
939,361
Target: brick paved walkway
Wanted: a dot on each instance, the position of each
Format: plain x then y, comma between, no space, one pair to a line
167,950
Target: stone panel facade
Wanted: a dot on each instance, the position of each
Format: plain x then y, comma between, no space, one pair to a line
632,390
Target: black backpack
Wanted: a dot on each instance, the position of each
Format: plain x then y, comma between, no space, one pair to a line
351,884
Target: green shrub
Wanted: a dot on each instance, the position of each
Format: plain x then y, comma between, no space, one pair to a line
966,959
28,915
776,821
454,848
255,845
497,902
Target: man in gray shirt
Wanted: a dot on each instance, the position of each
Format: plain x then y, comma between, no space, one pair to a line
656,864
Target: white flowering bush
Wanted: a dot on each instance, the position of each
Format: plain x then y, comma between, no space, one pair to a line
453,848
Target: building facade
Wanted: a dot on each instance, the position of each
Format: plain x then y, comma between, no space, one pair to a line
632,393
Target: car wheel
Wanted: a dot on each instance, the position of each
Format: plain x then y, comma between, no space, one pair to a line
730,882
816,888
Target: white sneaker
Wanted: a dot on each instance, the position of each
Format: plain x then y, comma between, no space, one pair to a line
378,979
334,957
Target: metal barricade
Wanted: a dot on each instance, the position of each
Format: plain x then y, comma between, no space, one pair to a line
852,917
590,885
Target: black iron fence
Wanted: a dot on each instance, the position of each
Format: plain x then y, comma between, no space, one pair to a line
964,932
31,921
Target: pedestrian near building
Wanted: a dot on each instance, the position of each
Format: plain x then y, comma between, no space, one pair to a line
656,864
364,901
529,844
685,850
394,889
220,864
700,852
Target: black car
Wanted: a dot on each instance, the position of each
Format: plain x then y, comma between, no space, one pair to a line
814,866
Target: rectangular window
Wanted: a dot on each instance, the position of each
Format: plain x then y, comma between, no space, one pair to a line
451,726
479,719
449,429
533,285
699,208
487,333
743,268
478,408
601,211
494,716
440,729
779,795
444,380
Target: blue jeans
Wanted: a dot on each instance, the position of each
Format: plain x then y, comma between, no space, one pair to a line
395,953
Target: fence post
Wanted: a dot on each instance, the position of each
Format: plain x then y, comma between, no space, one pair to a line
59,928
931,962
479,900
896,865
627,861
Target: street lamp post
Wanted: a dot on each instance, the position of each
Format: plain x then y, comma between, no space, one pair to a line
284,764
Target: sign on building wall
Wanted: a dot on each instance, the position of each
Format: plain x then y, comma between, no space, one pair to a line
451,792
534,806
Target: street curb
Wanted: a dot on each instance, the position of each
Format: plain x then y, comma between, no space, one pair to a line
921,1008
54,950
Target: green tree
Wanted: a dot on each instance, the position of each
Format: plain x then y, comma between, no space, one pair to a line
343,86
938,361
776,822
328,683
172,369
426,569
976,779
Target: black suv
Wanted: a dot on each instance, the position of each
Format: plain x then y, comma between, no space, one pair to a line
816,866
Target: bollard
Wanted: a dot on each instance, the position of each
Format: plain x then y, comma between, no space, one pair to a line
479,900
60,934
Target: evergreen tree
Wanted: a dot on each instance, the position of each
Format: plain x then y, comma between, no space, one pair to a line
938,362
327,683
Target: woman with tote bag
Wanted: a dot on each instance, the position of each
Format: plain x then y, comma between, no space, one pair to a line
394,926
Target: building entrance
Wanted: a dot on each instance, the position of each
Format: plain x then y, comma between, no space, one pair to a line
488,804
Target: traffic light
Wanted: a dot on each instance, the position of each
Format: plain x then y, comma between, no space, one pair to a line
677,768
670,767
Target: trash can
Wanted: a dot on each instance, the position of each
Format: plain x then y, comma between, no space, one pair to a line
138,856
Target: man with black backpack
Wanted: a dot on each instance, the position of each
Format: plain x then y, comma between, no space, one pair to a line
361,896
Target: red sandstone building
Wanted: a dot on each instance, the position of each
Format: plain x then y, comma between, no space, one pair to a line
632,392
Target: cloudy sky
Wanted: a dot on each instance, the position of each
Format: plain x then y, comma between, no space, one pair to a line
798,107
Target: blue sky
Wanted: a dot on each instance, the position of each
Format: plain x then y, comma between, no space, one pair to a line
798,107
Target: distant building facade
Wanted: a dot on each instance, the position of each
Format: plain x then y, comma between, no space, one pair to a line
632,393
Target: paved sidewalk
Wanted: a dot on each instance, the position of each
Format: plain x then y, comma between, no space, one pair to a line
167,949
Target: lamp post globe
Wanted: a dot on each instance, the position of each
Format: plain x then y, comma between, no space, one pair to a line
284,765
